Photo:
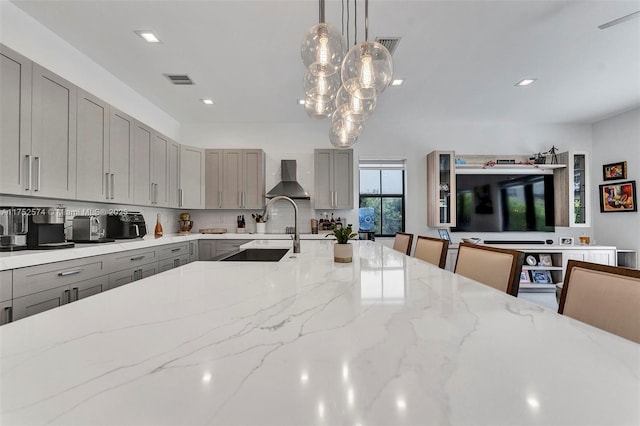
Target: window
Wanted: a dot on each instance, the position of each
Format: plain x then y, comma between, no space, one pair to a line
382,187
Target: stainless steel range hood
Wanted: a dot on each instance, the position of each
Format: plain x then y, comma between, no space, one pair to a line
289,185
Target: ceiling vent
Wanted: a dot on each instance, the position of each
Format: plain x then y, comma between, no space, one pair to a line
179,79
391,43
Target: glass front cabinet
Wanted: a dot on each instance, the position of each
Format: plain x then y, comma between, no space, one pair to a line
441,189
573,201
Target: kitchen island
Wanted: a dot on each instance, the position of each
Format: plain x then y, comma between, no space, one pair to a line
387,339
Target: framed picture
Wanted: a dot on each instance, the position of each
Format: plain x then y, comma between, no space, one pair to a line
566,241
541,277
524,277
614,171
618,197
444,234
545,260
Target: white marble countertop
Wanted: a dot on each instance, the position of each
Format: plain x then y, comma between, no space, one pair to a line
24,258
385,340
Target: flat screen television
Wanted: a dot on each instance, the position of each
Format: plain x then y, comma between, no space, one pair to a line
504,202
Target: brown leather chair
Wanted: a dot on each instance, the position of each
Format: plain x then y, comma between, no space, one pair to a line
403,242
432,250
606,297
496,267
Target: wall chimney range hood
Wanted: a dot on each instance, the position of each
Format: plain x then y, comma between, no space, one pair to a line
289,185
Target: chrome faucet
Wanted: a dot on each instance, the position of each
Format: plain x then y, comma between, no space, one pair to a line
296,234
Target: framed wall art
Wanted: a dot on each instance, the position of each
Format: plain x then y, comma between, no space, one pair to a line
565,241
614,171
618,197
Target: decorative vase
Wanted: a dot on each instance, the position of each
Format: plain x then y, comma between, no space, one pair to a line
342,253
260,227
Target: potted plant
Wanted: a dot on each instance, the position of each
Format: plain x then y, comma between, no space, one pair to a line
342,250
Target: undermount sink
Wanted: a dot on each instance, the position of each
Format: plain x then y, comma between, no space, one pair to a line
257,255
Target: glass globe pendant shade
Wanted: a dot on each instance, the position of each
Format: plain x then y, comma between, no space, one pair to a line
323,80
342,140
323,43
359,109
370,63
319,107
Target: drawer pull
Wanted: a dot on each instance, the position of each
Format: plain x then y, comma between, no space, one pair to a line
136,258
8,315
77,293
66,293
67,273
175,250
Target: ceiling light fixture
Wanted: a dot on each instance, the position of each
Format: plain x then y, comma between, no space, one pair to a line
397,82
207,101
148,36
526,82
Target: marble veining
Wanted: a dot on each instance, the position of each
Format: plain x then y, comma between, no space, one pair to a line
384,340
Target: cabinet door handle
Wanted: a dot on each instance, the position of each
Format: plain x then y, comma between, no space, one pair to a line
113,186
155,193
190,249
66,294
220,199
106,182
8,315
76,290
37,188
175,250
136,258
181,197
67,273
29,171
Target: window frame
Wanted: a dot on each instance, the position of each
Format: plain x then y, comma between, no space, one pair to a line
381,165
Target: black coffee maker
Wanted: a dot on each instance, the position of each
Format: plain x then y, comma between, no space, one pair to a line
46,228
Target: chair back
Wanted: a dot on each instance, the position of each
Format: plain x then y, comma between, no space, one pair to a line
496,267
432,250
403,242
606,297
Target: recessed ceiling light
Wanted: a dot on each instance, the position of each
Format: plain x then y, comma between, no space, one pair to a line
207,101
300,101
148,36
397,82
526,82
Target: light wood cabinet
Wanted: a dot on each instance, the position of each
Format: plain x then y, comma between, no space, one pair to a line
572,194
15,122
192,177
333,183
441,189
234,179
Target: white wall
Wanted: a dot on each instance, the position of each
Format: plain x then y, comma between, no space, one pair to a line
28,37
410,141
616,139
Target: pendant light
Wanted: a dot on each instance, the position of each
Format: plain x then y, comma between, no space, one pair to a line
368,66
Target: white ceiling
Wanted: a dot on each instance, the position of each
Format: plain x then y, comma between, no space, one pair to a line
460,59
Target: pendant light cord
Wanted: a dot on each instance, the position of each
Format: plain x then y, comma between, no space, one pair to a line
321,11
366,20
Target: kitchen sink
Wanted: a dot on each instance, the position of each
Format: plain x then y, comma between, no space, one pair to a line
257,255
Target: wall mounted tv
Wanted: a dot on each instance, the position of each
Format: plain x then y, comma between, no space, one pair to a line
504,202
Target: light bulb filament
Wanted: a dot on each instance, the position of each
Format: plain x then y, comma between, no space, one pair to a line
323,50
366,72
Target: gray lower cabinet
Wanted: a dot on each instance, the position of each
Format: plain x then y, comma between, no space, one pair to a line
43,287
165,265
206,249
193,251
131,265
117,279
173,255
6,294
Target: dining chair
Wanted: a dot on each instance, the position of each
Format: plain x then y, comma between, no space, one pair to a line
432,250
403,242
496,267
606,297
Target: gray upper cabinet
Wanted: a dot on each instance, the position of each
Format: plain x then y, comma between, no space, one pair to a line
120,158
213,178
93,177
142,193
15,122
192,177
159,165
53,135
333,183
237,176
173,174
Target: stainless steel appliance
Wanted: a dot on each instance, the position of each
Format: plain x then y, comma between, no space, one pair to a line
126,225
90,229
46,228
14,224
